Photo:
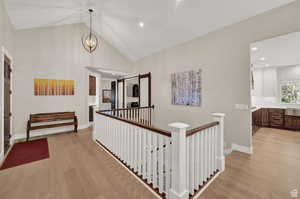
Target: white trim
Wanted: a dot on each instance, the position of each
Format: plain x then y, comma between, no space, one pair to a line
50,131
108,79
157,196
227,151
240,148
1,157
4,52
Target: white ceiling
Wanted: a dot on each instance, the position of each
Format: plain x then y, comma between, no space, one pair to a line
167,22
278,51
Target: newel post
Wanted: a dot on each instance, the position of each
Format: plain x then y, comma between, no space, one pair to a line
179,189
219,117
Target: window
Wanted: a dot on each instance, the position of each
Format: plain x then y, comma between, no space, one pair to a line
290,92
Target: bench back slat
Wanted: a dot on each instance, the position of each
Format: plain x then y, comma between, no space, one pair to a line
51,117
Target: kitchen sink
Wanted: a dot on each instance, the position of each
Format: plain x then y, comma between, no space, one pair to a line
292,111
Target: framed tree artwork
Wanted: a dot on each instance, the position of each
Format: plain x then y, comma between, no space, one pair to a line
186,88
48,87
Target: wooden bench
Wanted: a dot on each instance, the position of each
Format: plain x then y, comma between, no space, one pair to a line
51,117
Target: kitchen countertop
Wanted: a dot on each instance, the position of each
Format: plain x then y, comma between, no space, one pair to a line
255,108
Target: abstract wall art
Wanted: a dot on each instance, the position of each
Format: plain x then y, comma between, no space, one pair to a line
48,87
186,88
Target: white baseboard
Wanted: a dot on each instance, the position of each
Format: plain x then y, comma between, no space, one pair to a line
50,131
227,151
1,157
240,148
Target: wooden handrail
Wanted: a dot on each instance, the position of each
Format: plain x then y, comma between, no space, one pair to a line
125,109
151,128
201,128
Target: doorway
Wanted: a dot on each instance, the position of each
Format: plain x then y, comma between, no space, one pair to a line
7,101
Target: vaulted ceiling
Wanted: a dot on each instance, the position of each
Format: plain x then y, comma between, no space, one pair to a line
166,22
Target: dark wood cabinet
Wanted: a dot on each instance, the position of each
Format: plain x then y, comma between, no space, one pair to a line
92,85
276,117
91,113
264,117
256,120
292,123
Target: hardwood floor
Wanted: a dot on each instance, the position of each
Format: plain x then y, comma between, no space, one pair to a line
77,169
80,169
270,173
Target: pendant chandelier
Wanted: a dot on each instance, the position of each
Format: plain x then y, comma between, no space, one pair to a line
90,40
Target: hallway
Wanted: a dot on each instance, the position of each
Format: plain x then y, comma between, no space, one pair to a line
79,169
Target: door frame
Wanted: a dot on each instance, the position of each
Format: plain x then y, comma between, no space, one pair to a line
147,75
4,52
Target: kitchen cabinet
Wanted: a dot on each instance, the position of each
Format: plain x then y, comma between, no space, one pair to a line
292,122
276,117
264,117
256,121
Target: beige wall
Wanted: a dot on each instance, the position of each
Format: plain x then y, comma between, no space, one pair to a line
7,41
224,58
56,53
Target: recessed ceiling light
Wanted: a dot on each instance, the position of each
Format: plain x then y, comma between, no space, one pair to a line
178,2
141,24
262,59
254,48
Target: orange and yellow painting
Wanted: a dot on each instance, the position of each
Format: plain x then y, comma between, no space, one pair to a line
53,87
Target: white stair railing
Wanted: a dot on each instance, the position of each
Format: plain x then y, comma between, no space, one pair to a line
177,164
145,151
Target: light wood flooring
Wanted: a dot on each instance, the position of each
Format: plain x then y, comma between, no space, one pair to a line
80,169
270,173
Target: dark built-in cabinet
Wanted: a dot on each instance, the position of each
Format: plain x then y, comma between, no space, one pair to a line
92,85
274,118
91,113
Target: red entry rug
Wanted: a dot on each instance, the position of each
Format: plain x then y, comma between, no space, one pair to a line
26,152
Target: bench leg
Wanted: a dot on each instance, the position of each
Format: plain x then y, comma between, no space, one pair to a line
76,125
28,132
27,136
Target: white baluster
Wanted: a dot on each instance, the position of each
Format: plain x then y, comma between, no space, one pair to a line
215,148
179,188
113,136
219,117
149,163
191,165
126,144
121,134
140,152
197,166
130,141
144,155
205,155
154,160
167,157
188,143
201,158
135,151
209,152
160,162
